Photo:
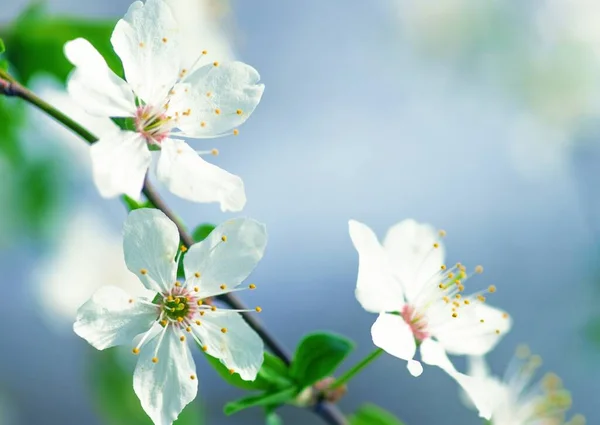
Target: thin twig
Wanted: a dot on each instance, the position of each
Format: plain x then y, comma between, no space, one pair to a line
10,87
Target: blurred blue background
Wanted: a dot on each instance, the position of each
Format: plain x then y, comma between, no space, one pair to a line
481,120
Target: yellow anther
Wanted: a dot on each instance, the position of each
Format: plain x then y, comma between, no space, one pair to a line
224,238
180,319
239,112
141,44
163,322
130,300
192,377
441,286
183,248
231,371
535,360
154,359
214,152
223,287
196,289
213,308
200,302
455,304
443,267
170,298
187,113
215,63
436,245
481,298
202,313
177,284
252,286
442,233
204,348
204,52
467,302
450,275
136,351
455,315
217,111
188,329
198,322
144,271
208,94
457,296
164,40
505,315
551,382
492,289
446,299
224,330
182,338
479,269
258,309
236,132
197,274
461,287
497,331
202,124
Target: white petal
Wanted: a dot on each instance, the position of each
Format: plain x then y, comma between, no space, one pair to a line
433,353
239,348
109,318
415,368
94,86
166,387
468,335
119,163
412,256
147,41
187,175
488,395
228,262
477,367
150,243
391,333
376,289
218,99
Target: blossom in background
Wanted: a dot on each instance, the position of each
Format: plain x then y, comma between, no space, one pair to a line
165,375
88,255
420,301
166,97
514,400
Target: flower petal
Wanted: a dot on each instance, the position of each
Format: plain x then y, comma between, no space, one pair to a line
187,175
119,163
214,100
166,387
239,347
226,257
147,41
150,243
475,332
415,368
391,333
376,289
413,258
111,317
94,86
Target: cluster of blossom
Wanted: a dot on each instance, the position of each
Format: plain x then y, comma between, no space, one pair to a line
420,301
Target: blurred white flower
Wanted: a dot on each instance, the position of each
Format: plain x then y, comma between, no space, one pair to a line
514,400
165,375
164,99
88,255
419,301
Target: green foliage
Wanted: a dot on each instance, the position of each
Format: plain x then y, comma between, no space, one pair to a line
132,204
370,414
202,231
111,384
35,42
317,356
266,399
2,48
273,418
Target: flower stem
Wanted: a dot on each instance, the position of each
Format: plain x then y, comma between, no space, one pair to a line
12,88
356,369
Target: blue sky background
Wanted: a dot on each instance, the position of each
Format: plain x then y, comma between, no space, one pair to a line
354,124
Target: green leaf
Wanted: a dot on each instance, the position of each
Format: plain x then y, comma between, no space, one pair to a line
132,204
269,399
202,231
112,388
370,414
2,47
124,123
36,40
317,356
273,418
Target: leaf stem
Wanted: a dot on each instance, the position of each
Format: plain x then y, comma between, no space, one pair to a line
356,369
12,88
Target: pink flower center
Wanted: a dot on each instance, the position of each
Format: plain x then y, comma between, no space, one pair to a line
416,321
152,124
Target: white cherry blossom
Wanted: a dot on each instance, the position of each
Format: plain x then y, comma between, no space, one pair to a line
158,329
421,302
167,96
514,399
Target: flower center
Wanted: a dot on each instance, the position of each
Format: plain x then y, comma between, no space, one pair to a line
153,124
416,321
179,305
